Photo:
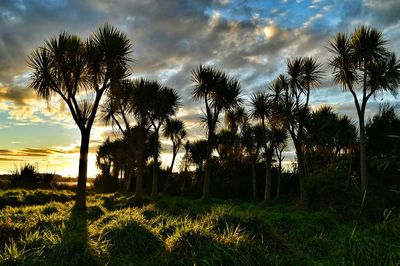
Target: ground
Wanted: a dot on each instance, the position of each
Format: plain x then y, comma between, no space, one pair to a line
41,227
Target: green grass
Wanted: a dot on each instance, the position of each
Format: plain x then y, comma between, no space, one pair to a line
40,228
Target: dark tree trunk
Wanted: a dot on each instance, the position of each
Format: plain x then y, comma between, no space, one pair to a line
268,165
278,183
140,162
300,163
80,202
131,165
302,174
184,185
129,175
363,153
253,170
207,174
268,175
349,172
154,187
169,176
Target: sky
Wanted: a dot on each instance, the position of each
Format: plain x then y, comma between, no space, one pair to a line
250,40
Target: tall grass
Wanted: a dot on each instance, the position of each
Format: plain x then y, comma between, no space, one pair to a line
41,228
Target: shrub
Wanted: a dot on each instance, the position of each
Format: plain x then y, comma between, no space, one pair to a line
106,183
25,174
328,189
28,176
372,251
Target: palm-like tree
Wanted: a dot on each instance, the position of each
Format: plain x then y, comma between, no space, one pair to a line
133,100
184,165
280,145
104,158
145,102
116,111
321,127
260,110
312,74
198,154
266,107
81,72
226,144
236,118
362,62
164,105
304,74
219,92
112,158
141,105
252,140
174,129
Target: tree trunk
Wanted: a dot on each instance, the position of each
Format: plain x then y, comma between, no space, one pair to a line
302,174
154,187
268,175
169,176
184,185
80,202
129,175
253,170
278,183
363,153
349,172
131,165
140,163
207,174
268,164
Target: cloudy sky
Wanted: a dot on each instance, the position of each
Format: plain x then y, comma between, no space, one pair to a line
250,40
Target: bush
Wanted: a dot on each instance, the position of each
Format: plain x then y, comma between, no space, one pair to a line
25,174
328,190
372,251
28,176
106,183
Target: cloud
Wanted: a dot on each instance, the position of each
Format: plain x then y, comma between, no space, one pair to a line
18,95
243,38
384,13
32,152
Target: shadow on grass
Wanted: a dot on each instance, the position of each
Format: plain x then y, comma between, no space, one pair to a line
133,244
73,249
176,206
18,198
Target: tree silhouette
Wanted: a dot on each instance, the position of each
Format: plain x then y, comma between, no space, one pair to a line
111,157
219,93
281,138
361,62
174,129
260,110
141,106
252,141
81,72
328,135
304,74
116,111
383,132
227,146
198,154
164,104
236,119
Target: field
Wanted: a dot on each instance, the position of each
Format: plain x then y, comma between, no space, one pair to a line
39,227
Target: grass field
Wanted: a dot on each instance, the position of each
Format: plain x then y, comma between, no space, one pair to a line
38,227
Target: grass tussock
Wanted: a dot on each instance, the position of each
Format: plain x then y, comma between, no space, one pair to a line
41,227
